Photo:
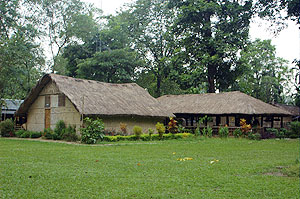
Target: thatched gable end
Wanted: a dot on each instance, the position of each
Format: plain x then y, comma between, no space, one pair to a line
219,104
97,98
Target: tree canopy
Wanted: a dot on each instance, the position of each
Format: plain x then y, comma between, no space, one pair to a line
166,46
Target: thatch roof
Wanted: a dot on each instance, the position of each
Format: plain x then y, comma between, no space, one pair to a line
97,98
219,103
294,110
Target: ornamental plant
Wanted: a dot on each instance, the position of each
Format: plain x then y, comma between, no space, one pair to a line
223,132
245,128
207,132
160,129
93,131
172,126
237,133
123,128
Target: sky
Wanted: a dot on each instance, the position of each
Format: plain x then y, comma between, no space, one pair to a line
287,42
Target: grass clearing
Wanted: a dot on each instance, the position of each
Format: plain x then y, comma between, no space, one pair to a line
32,169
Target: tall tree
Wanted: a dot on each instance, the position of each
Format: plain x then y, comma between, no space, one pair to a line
20,55
150,22
212,33
106,56
64,21
264,75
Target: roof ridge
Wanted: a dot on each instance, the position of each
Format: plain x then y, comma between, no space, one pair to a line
86,80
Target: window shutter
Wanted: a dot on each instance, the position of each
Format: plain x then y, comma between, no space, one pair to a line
61,100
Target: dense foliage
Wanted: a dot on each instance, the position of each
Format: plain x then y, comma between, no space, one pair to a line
93,130
167,47
7,128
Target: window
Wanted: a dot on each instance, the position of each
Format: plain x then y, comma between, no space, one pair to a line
61,100
47,101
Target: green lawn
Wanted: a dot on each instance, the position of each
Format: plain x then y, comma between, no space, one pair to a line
32,169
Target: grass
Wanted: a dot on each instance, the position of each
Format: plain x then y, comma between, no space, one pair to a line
32,169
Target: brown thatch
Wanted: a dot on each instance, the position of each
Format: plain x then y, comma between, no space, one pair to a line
219,103
294,110
97,98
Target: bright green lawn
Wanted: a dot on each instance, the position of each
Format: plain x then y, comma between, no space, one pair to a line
32,169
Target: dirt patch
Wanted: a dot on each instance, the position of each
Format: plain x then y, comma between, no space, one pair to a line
275,174
77,143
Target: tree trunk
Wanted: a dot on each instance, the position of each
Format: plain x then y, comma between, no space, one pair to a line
211,68
158,82
211,78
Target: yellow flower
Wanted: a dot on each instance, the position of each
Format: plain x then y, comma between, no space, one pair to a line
174,153
213,161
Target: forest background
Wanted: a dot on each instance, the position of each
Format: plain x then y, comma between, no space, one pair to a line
165,46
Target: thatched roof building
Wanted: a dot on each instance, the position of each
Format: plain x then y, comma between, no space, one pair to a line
225,108
98,98
219,103
60,97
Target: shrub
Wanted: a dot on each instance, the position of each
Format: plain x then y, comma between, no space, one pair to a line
93,131
7,128
123,128
160,129
110,138
207,132
272,132
34,134
69,134
59,129
137,130
26,134
181,129
172,126
146,137
254,136
237,133
223,132
295,130
155,137
285,132
48,133
168,136
19,133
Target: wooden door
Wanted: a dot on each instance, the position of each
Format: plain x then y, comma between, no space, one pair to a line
47,118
